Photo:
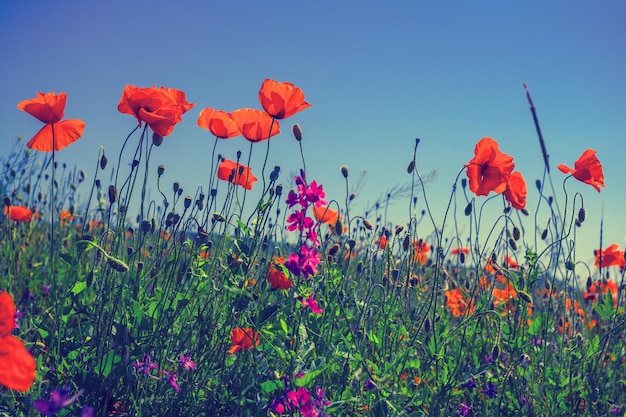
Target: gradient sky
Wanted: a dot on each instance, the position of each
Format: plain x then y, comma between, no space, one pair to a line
377,76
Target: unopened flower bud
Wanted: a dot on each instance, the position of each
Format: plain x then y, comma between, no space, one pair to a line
103,161
187,202
297,132
367,224
175,186
411,167
112,194
468,209
157,140
582,214
160,170
344,171
117,264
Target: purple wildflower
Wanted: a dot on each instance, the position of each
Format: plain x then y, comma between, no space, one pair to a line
87,412
490,391
58,400
464,409
469,384
172,379
146,366
186,362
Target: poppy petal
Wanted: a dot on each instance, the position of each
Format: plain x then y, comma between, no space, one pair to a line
48,108
7,314
65,133
17,366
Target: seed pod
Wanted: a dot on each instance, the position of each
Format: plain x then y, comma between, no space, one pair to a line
516,233
468,209
187,202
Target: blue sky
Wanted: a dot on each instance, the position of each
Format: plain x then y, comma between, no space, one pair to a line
377,76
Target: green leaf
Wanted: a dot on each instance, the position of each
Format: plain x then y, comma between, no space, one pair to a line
309,376
68,259
106,364
271,386
78,287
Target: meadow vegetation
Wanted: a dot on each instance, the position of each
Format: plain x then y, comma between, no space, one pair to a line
212,302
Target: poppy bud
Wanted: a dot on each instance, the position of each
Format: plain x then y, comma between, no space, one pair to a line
462,257
468,209
464,182
406,242
130,250
544,234
582,214
495,351
367,224
175,186
524,211
569,265
117,264
112,194
98,183
7,200
399,229
352,196
157,140
144,226
338,227
334,249
213,192
344,171
160,170
82,175
218,217
411,167
524,296
589,282
512,244
516,233
103,161
274,175
297,132
538,184
187,202
135,163
279,190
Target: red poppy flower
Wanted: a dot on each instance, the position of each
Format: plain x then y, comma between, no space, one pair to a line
421,249
243,339
459,251
49,108
19,213
236,173
255,125
160,108
458,303
587,169
17,366
325,214
490,168
276,275
515,192
381,242
611,257
281,100
218,122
